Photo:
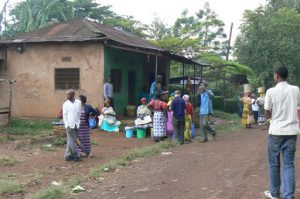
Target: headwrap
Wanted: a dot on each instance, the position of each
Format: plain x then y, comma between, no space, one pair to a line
107,101
186,97
143,100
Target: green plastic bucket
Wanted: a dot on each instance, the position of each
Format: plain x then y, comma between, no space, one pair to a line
141,133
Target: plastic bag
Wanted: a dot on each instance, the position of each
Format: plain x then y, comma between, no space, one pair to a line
92,122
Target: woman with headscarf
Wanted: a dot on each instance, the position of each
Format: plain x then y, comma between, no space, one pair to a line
84,134
188,119
107,120
143,114
159,108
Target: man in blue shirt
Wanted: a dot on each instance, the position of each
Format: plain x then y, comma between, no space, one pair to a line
178,114
205,112
155,87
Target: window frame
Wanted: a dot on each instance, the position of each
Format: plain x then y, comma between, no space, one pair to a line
61,80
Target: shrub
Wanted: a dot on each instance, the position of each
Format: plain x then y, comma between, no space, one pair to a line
218,103
231,106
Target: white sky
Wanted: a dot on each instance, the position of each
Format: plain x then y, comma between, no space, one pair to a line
169,10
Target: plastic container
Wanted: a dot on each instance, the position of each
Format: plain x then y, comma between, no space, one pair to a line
141,133
129,132
193,130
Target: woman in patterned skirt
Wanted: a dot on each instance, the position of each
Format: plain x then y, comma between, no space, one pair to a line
83,133
159,108
247,110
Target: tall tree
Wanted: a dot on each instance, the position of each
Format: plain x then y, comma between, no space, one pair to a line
29,15
270,38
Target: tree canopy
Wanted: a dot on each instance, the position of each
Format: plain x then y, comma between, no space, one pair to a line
29,15
270,38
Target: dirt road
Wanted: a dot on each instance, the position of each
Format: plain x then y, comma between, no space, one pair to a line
232,167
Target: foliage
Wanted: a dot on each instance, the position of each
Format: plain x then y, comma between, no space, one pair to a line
218,103
32,14
231,106
269,38
191,34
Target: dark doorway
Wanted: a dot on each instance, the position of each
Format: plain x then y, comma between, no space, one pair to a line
131,87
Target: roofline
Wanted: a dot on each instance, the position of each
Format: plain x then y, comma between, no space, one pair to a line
110,43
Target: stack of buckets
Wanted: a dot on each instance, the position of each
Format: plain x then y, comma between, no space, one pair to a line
140,132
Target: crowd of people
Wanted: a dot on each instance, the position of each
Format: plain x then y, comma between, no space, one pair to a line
252,108
170,115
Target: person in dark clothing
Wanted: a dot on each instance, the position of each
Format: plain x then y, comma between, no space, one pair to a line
178,114
84,134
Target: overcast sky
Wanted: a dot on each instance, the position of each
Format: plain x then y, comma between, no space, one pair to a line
169,10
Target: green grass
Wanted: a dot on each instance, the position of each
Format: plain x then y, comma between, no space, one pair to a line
234,122
6,161
7,139
10,187
53,192
227,116
28,127
59,142
135,154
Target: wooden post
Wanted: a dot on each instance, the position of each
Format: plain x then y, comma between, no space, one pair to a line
10,101
229,41
182,78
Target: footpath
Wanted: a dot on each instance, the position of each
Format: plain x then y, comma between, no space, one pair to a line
232,167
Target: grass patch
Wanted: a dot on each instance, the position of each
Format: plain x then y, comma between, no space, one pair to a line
53,192
10,187
95,142
6,161
7,139
135,154
227,116
28,127
59,142
234,122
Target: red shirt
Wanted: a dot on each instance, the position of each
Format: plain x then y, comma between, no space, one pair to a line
158,105
189,108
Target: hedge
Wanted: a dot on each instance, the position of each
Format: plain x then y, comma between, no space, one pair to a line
218,103
231,106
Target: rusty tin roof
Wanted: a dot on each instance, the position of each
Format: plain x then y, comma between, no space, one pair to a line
82,30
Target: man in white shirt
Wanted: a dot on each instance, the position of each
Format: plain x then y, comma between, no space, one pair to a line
281,104
71,117
108,91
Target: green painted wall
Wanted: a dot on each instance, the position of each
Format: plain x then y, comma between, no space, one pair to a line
125,61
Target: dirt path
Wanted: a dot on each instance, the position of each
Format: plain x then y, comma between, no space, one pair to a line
232,167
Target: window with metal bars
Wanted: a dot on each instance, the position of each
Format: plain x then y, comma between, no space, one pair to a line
67,78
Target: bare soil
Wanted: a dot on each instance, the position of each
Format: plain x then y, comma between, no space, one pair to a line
38,167
232,167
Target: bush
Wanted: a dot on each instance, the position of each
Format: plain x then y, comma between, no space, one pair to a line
218,103
231,106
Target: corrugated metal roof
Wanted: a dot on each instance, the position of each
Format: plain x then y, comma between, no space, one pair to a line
82,30
86,30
